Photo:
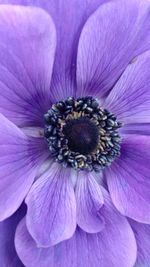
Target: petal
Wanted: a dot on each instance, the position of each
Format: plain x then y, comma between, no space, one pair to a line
8,255
136,128
51,215
142,234
69,18
115,246
128,178
116,33
26,59
130,98
89,202
19,159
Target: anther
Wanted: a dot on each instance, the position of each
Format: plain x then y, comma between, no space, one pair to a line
82,135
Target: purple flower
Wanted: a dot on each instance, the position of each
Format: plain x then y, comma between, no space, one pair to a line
74,127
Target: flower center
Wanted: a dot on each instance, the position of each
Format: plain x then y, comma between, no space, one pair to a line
82,135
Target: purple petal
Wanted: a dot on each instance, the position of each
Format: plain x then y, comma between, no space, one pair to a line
142,234
69,18
113,36
128,178
19,159
8,255
51,215
89,202
26,59
136,128
115,246
130,98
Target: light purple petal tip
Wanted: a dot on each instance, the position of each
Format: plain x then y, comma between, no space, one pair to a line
27,50
51,215
115,246
89,202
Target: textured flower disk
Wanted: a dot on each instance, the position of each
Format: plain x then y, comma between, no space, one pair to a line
56,216
82,135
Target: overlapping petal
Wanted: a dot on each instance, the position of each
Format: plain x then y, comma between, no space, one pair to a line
130,98
128,178
89,202
112,37
8,254
142,233
20,157
51,216
27,50
115,246
69,18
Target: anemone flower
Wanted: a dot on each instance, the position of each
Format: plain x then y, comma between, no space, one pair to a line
74,127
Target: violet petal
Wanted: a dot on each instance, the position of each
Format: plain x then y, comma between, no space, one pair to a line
128,178
20,157
69,18
27,50
115,246
51,214
142,234
8,254
111,38
129,100
89,203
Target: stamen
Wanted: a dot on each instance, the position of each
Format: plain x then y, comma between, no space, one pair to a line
82,135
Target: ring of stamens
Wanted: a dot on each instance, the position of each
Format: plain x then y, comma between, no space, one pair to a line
82,113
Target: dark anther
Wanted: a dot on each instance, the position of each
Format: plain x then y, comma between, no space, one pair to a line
82,135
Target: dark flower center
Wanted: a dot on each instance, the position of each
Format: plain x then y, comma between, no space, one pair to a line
82,135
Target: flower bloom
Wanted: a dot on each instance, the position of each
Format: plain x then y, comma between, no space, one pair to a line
74,126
